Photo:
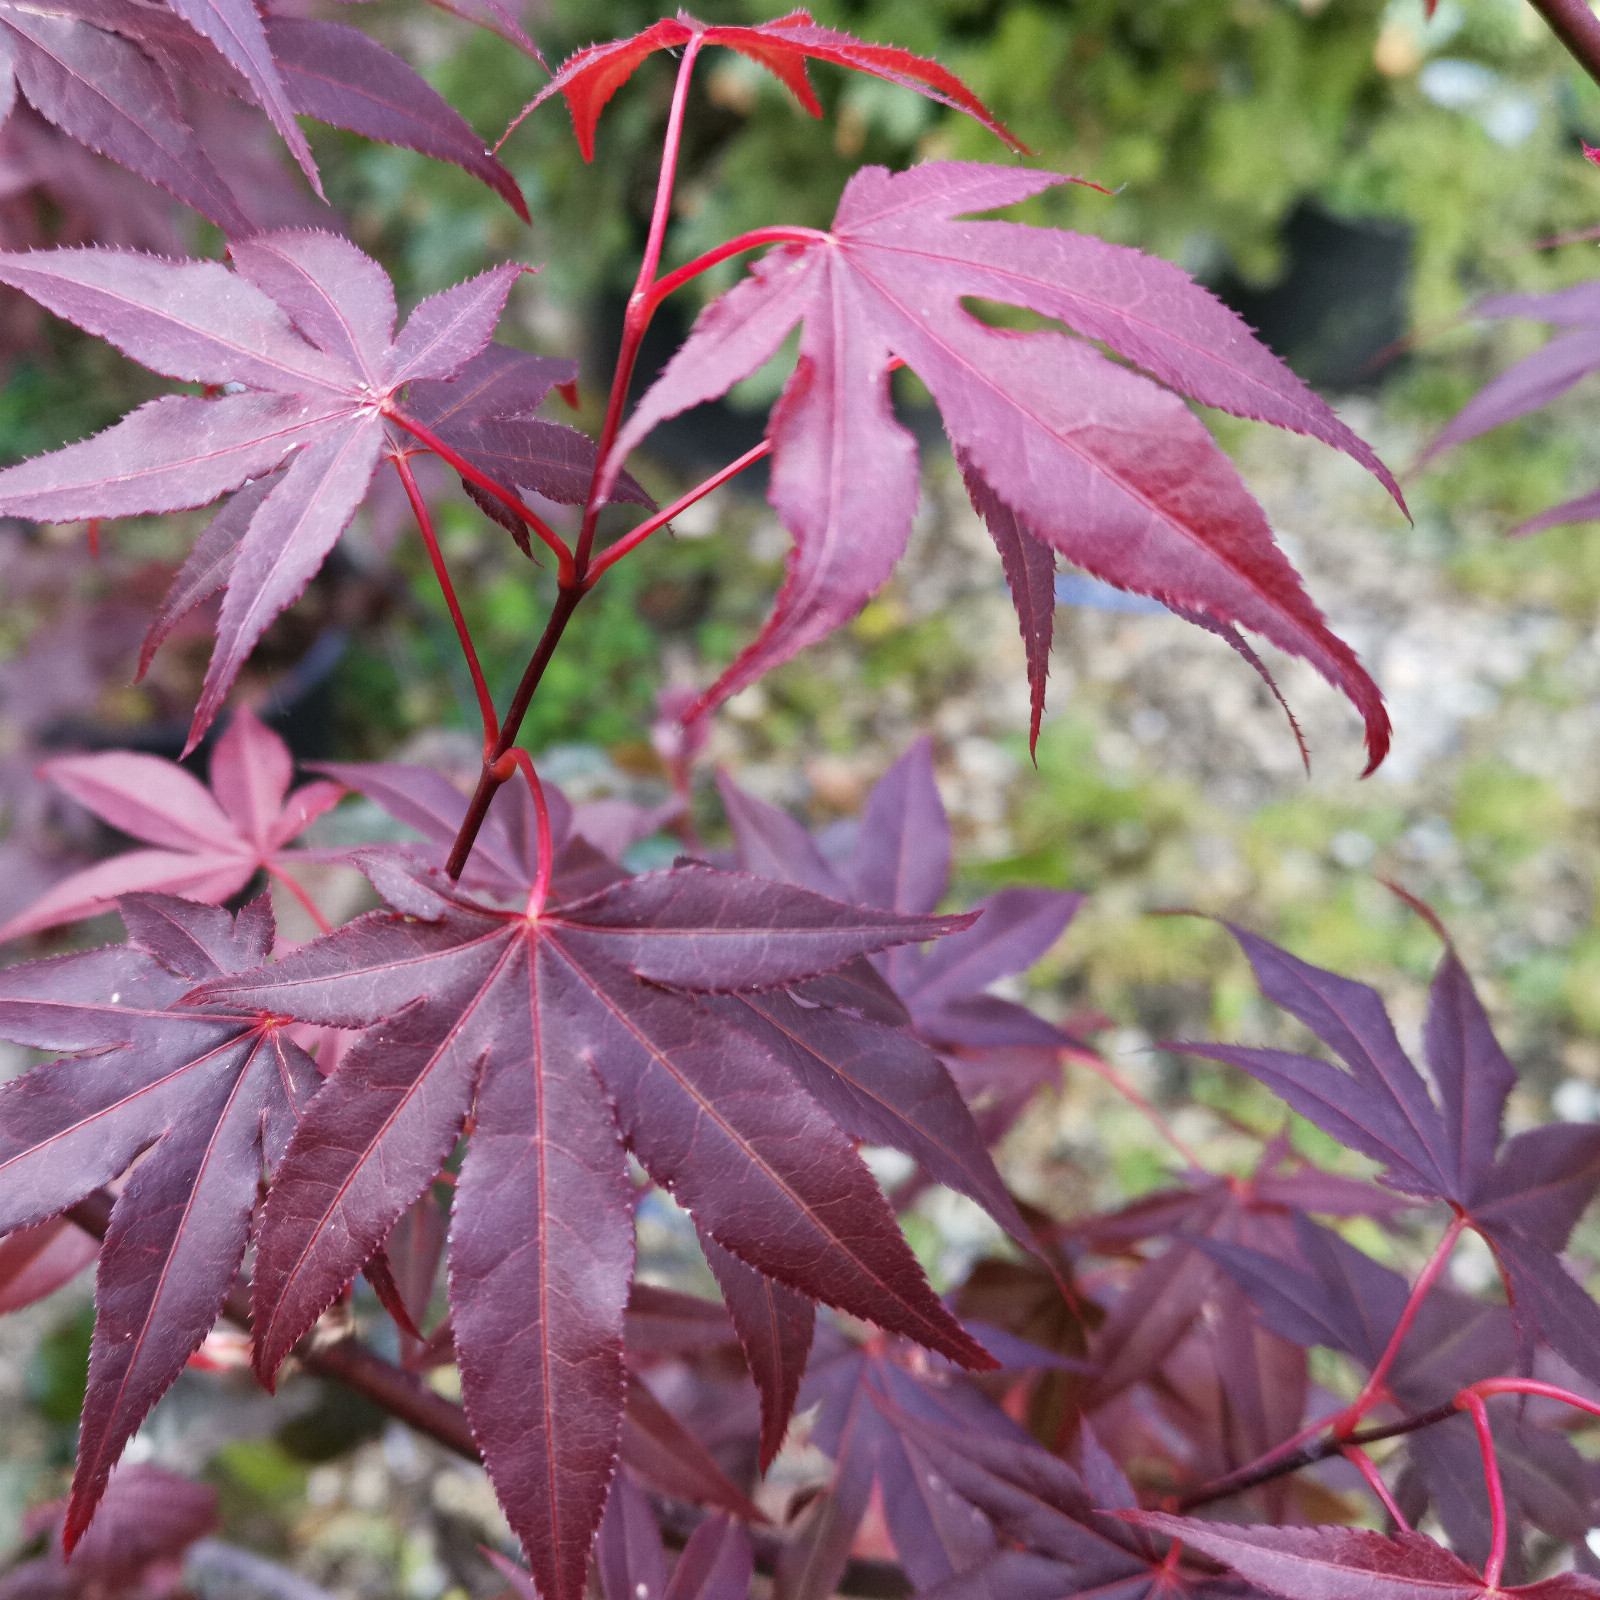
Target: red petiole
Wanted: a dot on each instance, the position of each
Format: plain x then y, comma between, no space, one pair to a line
419,507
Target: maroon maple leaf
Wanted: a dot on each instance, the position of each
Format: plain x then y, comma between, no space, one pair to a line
1332,1563
1072,452
210,843
206,1093
590,77
567,1035
39,1260
148,1520
1524,1196
304,329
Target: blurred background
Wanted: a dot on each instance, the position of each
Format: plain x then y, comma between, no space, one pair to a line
1348,176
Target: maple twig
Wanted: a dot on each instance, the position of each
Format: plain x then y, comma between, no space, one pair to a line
636,536
1578,29
300,894
637,317
754,240
567,599
491,722
1368,1468
551,539
1280,1466
1471,1402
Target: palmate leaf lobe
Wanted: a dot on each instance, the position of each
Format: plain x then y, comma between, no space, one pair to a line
207,1093
568,1035
304,327
1522,1194
208,844
589,78
1088,458
1348,1563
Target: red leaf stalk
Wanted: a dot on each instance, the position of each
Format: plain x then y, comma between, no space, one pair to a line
1113,1079
491,723
298,891
1364,1464
519,757
547,535
753,240
1470,1401
1489,1387
1372,1391
637,317
637,536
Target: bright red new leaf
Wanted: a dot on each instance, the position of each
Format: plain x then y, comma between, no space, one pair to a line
1088,459
589,78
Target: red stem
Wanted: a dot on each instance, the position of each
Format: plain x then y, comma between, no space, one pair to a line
551,539
323,925
1578,29
1364,1464
753,240
541,878
637,536
1488,1387
491,723
637,317
1467,1400
1372,1392
1109,1075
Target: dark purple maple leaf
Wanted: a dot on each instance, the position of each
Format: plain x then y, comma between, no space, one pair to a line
207,1093
1337,1296
1084,457
1524,1195
1348,1563
148,1519
901,862
304,327
37,1261
209,843
566,1036
1535,381
588,78
1056,1514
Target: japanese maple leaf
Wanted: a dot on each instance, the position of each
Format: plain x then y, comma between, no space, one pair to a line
209,843
39,1260
1336,1563
993,1051
631,1561
147,1521
567,1036
588,78
109,75
484,413
303,328
1056,1514
866,1401
1069,450
206,1093
1523,1195
1535,381
1337,1296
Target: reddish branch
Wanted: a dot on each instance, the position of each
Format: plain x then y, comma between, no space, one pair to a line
1577,27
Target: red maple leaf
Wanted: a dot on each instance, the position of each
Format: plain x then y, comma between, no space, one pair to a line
589,78
210,843
1068,450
